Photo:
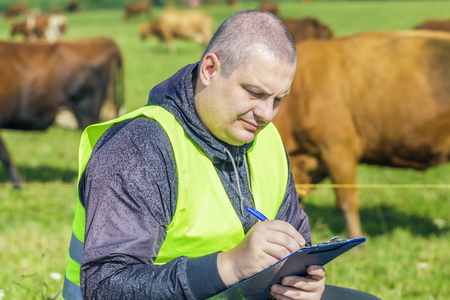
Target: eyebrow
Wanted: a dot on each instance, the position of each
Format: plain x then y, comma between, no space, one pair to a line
285,94
260,89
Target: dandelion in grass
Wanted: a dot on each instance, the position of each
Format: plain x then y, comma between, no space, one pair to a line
55,276
439,223
422,265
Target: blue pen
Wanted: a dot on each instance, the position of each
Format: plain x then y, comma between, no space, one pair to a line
257,214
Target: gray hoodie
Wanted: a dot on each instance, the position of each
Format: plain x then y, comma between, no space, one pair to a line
129,190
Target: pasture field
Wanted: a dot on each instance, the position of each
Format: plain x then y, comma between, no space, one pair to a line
406,255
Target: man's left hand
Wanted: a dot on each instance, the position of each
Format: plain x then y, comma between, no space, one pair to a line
296,287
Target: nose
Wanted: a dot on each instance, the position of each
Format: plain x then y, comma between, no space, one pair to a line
265,110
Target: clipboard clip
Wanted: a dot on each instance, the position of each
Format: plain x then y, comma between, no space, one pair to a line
333,240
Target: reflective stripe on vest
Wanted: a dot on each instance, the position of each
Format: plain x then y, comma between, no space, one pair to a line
71,288
208,221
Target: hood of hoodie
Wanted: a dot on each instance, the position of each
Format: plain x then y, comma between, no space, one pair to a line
176,94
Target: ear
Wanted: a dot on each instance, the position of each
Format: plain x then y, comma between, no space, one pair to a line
209,66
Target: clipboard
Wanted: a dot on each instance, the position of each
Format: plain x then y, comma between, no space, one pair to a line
257,287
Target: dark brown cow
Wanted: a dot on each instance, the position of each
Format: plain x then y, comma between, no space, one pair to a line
189,25
379,98
72,7
39,78
16,9
136,8
307,28
20,28
435,24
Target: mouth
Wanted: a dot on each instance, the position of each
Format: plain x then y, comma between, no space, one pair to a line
252,126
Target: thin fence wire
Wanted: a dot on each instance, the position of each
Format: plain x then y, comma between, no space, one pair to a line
375,186
298,186
52,183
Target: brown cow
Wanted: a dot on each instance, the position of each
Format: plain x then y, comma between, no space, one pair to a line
307,28
57,26
20,28
46,27
379,98
72,7
435,24
232,2
16,9
136,8
190,25
39,78
271,7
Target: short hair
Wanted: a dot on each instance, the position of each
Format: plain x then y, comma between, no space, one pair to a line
237,36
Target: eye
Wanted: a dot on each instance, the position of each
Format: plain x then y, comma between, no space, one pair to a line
277,100
254,94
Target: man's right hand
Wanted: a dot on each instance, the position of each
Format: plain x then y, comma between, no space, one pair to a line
265,244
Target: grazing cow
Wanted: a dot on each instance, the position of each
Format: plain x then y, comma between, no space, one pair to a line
32,28
307,28
377,97
232,2
435,24
57,25
46,27
16,9
190,25
271,7
136,8
19,28
72,7
39,78
189,3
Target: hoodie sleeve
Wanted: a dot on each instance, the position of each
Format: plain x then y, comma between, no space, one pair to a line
291,212
129,191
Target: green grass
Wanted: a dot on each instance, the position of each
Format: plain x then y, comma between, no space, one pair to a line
406,254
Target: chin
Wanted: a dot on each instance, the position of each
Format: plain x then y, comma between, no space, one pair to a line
245,140
241,138
239,142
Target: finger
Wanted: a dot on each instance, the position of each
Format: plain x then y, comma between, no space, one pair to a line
277,251
276,232
304,283
281,292
286,228
285,243
316,272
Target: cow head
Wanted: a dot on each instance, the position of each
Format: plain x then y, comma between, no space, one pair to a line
19,28
146,30
303,167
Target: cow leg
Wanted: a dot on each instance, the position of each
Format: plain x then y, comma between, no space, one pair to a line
167,36
342,164
171,46
12,170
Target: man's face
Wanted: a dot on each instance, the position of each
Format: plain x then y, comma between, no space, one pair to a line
236,108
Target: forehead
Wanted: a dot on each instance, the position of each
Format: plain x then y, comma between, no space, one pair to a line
265,71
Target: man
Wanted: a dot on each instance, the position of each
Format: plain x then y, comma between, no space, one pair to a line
163,190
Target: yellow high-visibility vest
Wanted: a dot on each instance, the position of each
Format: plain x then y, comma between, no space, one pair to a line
204,221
